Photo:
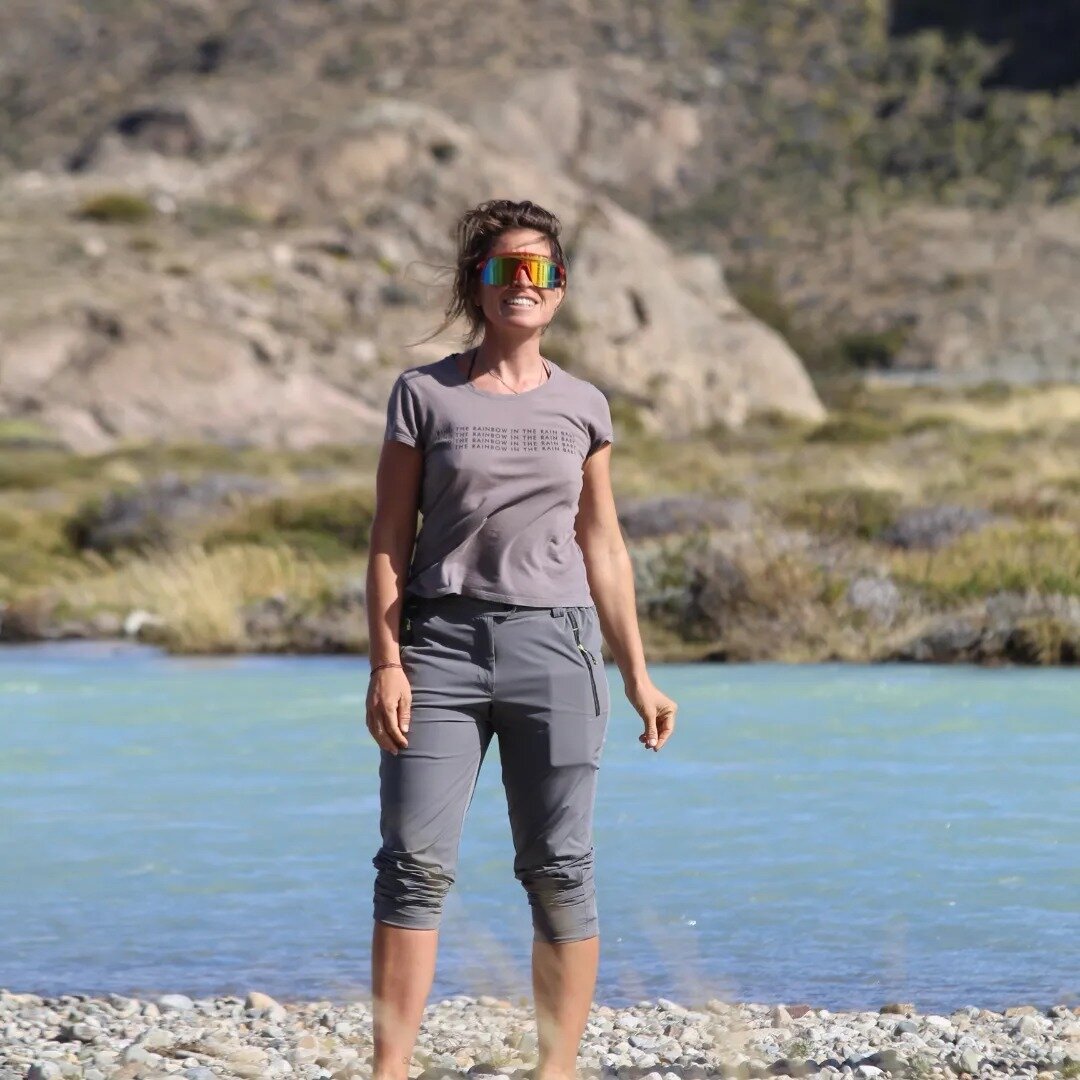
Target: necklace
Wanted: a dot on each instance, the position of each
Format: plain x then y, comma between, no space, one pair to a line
476,352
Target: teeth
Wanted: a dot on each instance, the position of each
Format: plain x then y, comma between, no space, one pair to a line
522,302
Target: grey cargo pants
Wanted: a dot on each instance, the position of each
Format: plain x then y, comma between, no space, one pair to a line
532,677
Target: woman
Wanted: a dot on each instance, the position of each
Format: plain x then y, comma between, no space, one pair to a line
492,626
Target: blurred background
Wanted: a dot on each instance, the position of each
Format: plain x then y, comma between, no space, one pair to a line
825,264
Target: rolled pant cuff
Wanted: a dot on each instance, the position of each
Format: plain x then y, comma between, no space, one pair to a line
408,920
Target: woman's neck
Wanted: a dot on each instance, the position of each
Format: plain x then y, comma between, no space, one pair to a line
518,358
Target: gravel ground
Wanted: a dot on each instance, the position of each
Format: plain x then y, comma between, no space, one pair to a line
120,1038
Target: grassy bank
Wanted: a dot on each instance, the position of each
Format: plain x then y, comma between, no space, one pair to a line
909,511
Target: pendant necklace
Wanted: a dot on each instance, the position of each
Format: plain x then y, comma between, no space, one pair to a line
472,362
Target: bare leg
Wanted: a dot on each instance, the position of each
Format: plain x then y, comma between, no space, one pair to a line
402,970
564,977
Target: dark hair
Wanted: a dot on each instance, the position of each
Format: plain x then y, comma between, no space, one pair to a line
477,231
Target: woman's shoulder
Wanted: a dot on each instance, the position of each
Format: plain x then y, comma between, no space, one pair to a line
435,372
579,386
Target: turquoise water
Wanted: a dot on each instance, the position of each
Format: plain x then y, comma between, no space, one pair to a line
837,835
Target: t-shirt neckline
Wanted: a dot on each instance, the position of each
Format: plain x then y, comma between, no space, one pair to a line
464,381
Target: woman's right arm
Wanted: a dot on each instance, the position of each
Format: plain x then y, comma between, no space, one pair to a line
393,533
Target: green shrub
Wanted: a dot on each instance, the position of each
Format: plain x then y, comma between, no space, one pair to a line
991,392
845,511
872,349
204,218
329,524
626,416
853,428
1038,557
944,424
17,433
33,551
144,245
116,207
32,469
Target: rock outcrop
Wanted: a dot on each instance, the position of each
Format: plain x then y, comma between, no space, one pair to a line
284,320
294,167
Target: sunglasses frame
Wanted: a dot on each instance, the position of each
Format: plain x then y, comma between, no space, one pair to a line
521,256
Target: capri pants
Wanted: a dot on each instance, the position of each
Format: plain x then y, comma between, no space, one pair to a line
533,678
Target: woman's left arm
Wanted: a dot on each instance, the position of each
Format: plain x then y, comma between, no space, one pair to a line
611,582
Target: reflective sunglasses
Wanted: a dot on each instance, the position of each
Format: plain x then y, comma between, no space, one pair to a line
543,273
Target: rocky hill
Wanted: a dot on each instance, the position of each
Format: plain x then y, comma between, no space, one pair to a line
269,297
226,220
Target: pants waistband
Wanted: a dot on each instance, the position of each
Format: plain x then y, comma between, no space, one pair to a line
460,604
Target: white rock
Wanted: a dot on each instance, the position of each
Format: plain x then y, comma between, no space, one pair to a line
939,1023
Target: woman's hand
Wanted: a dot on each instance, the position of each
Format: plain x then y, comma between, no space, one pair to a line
389,707
657,710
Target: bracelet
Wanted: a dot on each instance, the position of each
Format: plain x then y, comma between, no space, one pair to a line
388,663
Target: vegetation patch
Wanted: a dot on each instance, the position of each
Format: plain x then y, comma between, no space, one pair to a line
852,428
33,552
116,208
199,595
1044,639
844,511
1039,557
204,218
330,524
35,469
19,434
870,349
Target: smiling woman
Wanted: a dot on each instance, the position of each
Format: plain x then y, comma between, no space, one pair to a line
489,623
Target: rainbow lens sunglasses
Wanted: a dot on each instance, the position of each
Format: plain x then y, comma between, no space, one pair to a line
543,273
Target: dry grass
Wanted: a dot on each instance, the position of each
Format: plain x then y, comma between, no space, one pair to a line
1031,409
200,595
1041,557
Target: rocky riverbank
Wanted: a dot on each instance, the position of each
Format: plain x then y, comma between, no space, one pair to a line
120,1038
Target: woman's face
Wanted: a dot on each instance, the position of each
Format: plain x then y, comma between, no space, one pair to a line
519,306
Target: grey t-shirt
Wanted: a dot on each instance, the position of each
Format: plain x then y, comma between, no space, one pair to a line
501,482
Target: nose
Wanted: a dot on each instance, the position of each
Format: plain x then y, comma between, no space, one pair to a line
521,275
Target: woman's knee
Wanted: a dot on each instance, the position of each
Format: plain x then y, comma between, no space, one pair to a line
409,890
562,895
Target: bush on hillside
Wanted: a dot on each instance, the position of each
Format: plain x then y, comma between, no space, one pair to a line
116,207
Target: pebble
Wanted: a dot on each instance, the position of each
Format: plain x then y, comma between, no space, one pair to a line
173,1003
257,1038
968,1062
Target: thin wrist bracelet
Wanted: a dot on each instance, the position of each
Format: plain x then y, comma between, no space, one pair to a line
387,663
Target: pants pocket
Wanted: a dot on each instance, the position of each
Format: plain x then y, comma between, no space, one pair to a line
588,658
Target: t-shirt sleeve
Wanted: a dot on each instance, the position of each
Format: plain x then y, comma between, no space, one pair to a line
600,427
403,414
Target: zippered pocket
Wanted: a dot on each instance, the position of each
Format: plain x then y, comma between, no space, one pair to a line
590,662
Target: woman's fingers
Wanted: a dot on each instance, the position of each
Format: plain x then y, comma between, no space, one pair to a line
380,736
386,710
388,714
659,724
649,737
665,724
